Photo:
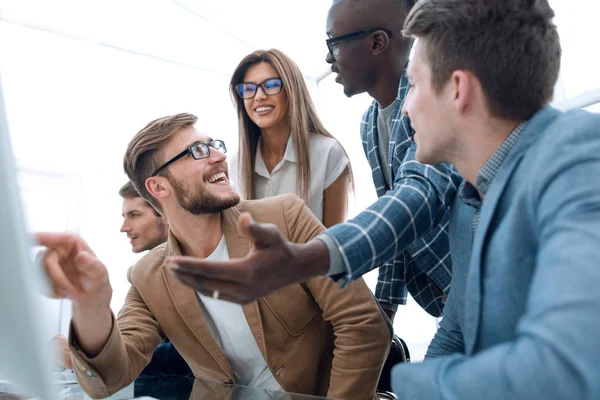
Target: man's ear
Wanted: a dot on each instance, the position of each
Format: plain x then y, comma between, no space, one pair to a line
380,43
463,86
158,187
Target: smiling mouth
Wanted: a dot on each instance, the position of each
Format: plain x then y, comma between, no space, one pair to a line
263,110
218,178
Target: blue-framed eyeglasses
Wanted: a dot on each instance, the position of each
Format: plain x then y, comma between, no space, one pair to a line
270,87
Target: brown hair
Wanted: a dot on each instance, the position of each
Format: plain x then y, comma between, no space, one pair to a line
304,122
512,46
144,155
128,191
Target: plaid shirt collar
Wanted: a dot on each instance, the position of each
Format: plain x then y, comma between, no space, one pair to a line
469,194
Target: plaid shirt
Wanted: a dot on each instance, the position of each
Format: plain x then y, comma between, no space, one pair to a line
469,194
405,232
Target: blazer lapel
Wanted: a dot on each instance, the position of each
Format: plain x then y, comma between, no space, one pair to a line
473,288
238,247
186,303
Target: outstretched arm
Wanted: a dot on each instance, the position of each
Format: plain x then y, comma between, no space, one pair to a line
76,273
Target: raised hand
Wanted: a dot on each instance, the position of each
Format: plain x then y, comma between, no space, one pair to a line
76,273
272,263
73,269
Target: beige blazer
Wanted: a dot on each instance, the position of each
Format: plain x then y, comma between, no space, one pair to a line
316,338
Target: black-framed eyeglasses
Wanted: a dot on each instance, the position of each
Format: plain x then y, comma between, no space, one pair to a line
198,150
270,87
331,42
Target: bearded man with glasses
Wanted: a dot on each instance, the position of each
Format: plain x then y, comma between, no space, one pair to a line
312,338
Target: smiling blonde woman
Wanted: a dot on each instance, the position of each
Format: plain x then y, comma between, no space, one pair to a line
283,146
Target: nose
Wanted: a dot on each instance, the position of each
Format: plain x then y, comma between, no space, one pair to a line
216,156
329,58
125,227
404,107
260,93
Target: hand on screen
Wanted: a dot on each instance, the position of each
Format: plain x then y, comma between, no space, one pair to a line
73,270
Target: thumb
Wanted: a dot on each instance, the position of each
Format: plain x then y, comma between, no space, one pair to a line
93,272
262,235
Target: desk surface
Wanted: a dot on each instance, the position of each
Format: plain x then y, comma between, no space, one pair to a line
178,388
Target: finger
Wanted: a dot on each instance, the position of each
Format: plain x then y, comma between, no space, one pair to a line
60,337
93,274
227,290
62,286
245,221
89,265
262,235
62,241
39,261
231,270
189,280
53,240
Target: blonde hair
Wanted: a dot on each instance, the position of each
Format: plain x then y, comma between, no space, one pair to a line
304,122
144,152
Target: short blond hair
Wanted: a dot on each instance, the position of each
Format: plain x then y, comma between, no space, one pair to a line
144,152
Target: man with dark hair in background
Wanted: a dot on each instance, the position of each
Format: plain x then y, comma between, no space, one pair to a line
144,226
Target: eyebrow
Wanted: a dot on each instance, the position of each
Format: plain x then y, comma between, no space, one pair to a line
267,79
131,212
200,141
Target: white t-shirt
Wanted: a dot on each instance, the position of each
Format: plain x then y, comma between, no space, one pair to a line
327,162
228,325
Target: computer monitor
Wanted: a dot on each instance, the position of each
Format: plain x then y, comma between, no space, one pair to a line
25,354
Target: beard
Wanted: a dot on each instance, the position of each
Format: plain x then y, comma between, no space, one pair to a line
198,200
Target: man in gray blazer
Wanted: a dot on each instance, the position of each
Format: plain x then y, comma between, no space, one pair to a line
521,320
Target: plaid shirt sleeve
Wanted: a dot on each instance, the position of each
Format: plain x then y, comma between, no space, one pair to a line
398,222
406,230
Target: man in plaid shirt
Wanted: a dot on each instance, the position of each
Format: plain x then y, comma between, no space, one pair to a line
405,232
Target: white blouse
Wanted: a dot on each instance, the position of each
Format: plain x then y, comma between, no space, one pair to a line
327,162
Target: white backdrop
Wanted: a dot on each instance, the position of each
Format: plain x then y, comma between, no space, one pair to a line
81,77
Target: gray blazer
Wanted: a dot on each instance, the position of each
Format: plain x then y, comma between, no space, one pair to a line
522,314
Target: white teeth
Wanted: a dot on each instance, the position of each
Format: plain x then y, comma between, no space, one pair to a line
265,108
220,175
